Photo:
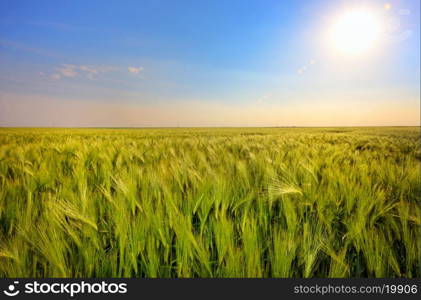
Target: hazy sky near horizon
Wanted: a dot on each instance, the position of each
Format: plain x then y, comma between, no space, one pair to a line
206,63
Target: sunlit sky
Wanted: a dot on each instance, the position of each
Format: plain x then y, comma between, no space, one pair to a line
209,63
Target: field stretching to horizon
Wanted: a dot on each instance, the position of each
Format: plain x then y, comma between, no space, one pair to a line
210,202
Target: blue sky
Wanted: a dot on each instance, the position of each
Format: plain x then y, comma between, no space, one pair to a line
203,63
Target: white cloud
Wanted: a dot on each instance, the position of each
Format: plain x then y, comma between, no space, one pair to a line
89,69
67,71
135,70
86,71
55,76
264,98
69,66
90,76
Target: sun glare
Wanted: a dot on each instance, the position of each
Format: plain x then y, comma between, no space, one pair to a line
355,32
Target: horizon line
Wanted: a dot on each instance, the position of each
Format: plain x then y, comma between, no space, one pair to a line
181,127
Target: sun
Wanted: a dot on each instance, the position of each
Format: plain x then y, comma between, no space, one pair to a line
355,32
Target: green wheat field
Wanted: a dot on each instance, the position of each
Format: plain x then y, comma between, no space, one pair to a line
210,202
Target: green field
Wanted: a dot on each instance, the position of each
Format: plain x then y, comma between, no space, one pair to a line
208,202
